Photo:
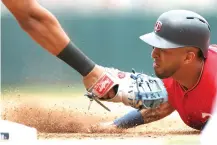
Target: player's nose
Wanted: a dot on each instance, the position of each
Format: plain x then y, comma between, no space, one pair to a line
155,52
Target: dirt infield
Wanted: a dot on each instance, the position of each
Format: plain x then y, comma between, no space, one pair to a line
68,118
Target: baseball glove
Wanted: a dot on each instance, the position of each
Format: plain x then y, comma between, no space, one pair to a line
132,89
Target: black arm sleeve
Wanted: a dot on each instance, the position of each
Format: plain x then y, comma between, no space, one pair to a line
75,58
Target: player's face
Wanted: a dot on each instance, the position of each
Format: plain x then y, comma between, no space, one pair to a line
167,61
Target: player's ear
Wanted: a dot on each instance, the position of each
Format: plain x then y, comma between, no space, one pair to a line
189,57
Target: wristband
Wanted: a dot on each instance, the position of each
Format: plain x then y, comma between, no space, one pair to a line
131,119
75,58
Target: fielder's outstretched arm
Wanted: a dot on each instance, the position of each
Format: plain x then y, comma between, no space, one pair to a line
144,116
44,28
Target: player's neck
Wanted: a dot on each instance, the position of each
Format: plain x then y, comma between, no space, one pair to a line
189,76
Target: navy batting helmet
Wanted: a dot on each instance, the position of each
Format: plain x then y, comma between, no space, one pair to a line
180,28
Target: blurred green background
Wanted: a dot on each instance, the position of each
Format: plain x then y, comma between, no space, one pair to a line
110,38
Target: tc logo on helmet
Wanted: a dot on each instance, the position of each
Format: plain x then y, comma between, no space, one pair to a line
157,26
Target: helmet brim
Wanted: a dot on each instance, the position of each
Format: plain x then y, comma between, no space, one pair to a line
154,40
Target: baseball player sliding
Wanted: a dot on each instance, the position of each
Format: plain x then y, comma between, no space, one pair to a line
184,63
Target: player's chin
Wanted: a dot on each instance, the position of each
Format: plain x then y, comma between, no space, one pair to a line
158,73
161,76
104,127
